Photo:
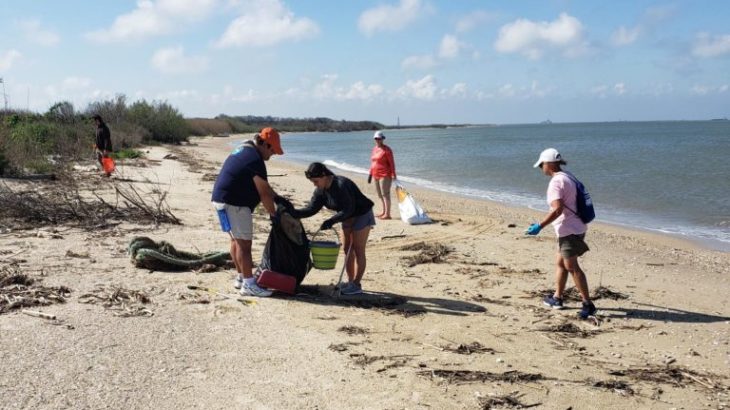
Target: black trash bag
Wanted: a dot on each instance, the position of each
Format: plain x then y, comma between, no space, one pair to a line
287,248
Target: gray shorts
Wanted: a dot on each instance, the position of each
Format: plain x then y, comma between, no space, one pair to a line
358,223
572,245
241,221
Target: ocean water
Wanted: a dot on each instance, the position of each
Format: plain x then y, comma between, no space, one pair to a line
671,177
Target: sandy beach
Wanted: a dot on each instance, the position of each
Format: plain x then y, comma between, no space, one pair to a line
468,330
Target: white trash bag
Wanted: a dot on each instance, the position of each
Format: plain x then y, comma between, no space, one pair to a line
410,212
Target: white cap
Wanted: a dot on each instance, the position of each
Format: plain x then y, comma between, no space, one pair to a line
549,155
379,135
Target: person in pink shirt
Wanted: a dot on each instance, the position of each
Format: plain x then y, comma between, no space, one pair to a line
382,169
569,228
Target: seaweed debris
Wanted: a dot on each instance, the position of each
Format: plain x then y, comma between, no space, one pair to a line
507,401
471,376
428,253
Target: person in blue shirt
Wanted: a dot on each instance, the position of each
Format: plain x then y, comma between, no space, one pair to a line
353,209
241,185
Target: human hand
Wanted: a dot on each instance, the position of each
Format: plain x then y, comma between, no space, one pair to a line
326,225
370,179
534,229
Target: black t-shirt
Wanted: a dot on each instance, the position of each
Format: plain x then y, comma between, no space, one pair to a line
234,185
342,196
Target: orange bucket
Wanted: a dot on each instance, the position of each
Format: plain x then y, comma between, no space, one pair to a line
108,164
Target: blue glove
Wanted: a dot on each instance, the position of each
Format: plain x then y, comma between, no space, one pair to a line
326,225
534,229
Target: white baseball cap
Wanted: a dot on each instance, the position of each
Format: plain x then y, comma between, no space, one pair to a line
379,135
549,155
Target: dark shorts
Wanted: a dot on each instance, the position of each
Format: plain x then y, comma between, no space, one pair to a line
358,223
572,245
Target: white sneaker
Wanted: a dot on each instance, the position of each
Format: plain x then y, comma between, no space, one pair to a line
254,290
238,282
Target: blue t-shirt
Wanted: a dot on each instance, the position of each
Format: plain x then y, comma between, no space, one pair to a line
234,185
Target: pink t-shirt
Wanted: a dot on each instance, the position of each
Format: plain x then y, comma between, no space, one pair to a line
563,188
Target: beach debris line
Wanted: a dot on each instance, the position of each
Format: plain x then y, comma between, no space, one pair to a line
427,253
468,348
124,302
67,201
572,294
507,401
353,330
163,256
674,375
568,329
18,290
617,386
472,376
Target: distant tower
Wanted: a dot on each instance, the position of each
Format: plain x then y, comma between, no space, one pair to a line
398,121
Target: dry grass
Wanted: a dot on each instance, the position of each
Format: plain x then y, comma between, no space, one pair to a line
17,291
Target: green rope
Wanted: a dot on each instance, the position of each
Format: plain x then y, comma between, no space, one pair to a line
146,253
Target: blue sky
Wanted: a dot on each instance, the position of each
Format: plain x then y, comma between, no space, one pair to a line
462,61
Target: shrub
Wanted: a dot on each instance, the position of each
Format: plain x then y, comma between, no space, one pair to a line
164,122
127,153
208,126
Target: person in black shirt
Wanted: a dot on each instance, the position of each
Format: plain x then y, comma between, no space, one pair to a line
103,140
353,209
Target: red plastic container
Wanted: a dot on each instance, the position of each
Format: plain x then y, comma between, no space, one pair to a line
108,164
277,281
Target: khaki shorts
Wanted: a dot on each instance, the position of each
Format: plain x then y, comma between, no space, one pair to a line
382,186
241,222
572,245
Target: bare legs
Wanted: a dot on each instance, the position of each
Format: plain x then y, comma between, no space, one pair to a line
382,186
241,254
562,267
357,261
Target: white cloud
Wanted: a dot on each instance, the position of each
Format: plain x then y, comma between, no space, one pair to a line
423,89
265,23
327,89
177,95
624,36
619,88
708,89
708,46
533,39
423,62
153,18
33,31
391,18
8,58
174,61
458,90
507,90
603,90
75,83
473,20
450,47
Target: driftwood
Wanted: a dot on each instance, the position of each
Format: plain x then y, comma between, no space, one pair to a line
38,314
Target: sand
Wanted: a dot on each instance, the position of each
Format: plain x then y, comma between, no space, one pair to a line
472,327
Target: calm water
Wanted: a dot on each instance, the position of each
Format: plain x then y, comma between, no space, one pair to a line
672,177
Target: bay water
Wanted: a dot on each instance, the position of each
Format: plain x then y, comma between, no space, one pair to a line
670,176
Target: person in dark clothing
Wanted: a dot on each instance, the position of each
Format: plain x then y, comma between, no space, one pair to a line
353,209
241,185
103,140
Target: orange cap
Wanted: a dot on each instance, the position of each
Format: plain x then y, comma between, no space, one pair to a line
271,136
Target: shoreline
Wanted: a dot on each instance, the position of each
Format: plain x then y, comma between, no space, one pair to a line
665,238
679,239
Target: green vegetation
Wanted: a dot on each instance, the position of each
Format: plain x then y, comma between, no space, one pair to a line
39,143
127,153
224,124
